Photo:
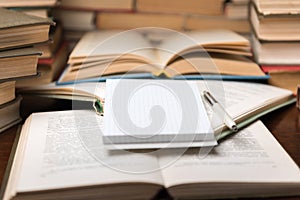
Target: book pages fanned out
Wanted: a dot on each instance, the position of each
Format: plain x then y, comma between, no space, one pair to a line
160,53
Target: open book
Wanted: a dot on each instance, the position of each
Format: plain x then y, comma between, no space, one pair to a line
60,155
245,102
200,54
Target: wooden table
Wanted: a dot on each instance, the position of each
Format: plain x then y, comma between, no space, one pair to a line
283,123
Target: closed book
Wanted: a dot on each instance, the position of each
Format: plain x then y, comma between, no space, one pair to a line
203,7
125,21
202,22
275,52
48,68
79,20
273,68
27,3
234,10
18,29
18,62
277,25
99,5
55,39
7,91
10,114
284,76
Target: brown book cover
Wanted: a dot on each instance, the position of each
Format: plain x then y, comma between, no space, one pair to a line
202,7
18,62
19,52
49,68
11,18
136,20
19,29
99,5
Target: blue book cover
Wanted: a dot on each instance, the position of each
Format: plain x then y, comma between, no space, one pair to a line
182,77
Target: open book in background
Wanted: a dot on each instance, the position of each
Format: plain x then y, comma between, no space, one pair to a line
245,102
70,161
103,54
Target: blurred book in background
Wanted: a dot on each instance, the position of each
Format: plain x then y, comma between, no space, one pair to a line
202,7
99,5
216,53
80,16
49,68
136,20
27,3
236,9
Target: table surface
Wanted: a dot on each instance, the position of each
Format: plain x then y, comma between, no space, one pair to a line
283,123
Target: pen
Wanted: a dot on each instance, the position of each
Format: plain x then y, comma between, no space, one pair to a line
220,111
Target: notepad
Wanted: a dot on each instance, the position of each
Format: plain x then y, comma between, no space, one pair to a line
155,113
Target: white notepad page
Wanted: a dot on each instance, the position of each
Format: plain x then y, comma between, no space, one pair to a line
155,111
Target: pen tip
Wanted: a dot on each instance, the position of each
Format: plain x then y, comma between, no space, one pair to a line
235,128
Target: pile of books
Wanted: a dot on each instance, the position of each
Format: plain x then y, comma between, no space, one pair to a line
18,59
81,16
276,40
54,51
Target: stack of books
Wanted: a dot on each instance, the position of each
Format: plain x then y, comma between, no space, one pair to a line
54,52
276,40
178,15
18,59
80,16
52,61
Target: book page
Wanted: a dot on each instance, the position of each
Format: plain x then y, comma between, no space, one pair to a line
178,43
88,91
112,44
155,111
242,99
64,149
251,155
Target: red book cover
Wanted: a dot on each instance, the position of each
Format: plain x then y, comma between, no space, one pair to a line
49,61
269,68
